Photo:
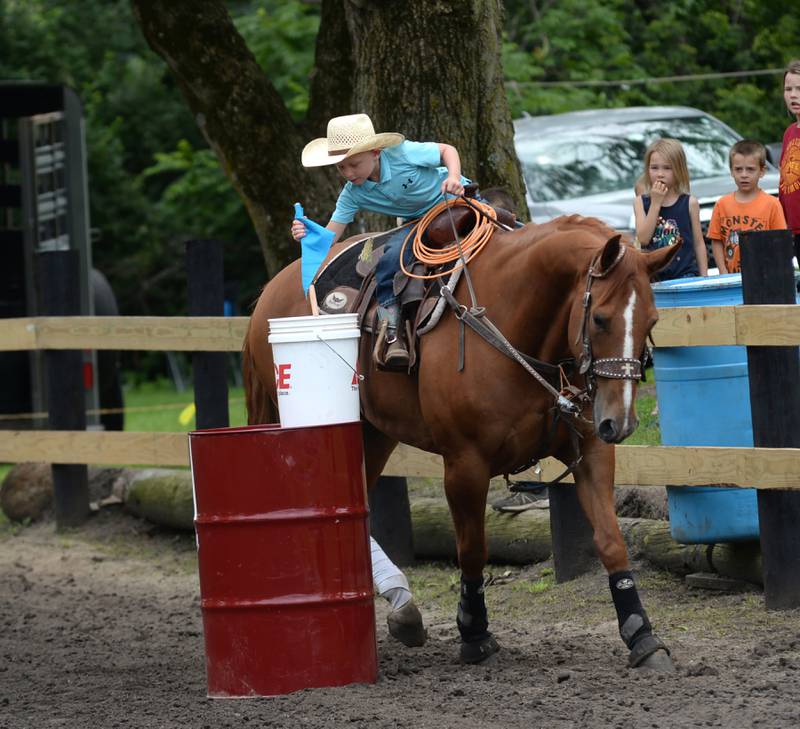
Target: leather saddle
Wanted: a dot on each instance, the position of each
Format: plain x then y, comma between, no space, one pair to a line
346,284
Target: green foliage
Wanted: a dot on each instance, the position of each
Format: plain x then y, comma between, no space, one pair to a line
194,193
153,183
610,40
282,36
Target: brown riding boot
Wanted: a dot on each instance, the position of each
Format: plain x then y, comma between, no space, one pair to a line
395,355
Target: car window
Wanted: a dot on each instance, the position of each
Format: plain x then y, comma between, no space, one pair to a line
576,162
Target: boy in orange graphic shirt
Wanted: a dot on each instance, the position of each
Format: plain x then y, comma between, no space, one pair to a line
749,208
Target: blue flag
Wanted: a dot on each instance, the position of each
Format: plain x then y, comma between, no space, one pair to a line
314,245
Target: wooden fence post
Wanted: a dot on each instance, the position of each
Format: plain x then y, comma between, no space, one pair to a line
774,374
390,519
205,274
60,296
571,534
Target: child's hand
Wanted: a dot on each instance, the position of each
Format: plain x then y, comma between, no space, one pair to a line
658,192
298,230
452,185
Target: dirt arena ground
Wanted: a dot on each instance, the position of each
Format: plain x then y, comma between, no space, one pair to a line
101,627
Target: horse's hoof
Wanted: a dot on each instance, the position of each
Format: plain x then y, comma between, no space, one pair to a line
658,661
406,625
479,650
651,653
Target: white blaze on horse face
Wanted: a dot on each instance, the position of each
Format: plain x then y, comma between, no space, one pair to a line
627,353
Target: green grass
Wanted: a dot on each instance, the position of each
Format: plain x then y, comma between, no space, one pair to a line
543,584
648,432
157,407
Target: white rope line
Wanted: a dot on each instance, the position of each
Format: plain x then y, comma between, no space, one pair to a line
651,80
109,411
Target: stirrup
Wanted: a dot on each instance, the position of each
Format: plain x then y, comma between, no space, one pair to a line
390,352
396,355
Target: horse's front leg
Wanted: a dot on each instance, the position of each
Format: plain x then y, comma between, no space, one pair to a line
466,483
594,479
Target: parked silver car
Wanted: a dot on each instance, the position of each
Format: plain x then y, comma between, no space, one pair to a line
587,162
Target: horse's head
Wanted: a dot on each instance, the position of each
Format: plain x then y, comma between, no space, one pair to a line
613,313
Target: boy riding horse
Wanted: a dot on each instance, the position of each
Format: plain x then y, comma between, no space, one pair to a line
390,175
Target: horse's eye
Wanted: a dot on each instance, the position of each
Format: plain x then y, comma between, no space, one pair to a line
601,322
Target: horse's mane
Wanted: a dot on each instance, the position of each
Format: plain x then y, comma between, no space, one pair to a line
570,237
534,232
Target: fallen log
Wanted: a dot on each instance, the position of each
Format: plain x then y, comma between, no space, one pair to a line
164,496
520,538
26,493
651,540
524,538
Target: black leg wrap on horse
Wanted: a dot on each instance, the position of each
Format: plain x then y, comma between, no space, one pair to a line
632,619
472,619
634,627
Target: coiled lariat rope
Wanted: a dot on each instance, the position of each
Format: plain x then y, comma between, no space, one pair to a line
470,245
464,250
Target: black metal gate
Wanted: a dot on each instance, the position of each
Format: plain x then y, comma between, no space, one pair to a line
43,207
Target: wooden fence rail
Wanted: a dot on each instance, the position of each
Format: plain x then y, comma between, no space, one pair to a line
760,468
774,472
774,325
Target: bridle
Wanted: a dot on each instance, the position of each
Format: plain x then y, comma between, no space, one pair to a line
614,368
570,401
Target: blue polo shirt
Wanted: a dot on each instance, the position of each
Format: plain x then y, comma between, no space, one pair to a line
410,184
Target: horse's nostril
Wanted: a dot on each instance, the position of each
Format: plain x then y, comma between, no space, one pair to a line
607,430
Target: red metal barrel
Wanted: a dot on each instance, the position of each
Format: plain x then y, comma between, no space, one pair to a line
283,550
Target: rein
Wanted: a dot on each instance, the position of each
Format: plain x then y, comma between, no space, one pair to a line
477,320
565,408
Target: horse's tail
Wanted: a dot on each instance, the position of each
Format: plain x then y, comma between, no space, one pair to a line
260,408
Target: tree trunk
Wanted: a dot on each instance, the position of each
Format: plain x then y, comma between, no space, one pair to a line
240,114
430,70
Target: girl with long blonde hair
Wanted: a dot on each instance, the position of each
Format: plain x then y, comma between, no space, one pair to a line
666,213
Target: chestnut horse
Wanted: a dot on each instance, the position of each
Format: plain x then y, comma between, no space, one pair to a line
566,289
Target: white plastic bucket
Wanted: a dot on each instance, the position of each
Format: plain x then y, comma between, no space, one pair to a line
316,369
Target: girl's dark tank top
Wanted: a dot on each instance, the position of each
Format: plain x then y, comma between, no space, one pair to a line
674,225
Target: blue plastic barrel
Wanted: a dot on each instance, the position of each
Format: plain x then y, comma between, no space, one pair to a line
704,400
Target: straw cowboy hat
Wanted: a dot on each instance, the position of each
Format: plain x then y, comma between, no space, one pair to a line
347,135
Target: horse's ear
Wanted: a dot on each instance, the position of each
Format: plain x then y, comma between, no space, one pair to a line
610,252
659,258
